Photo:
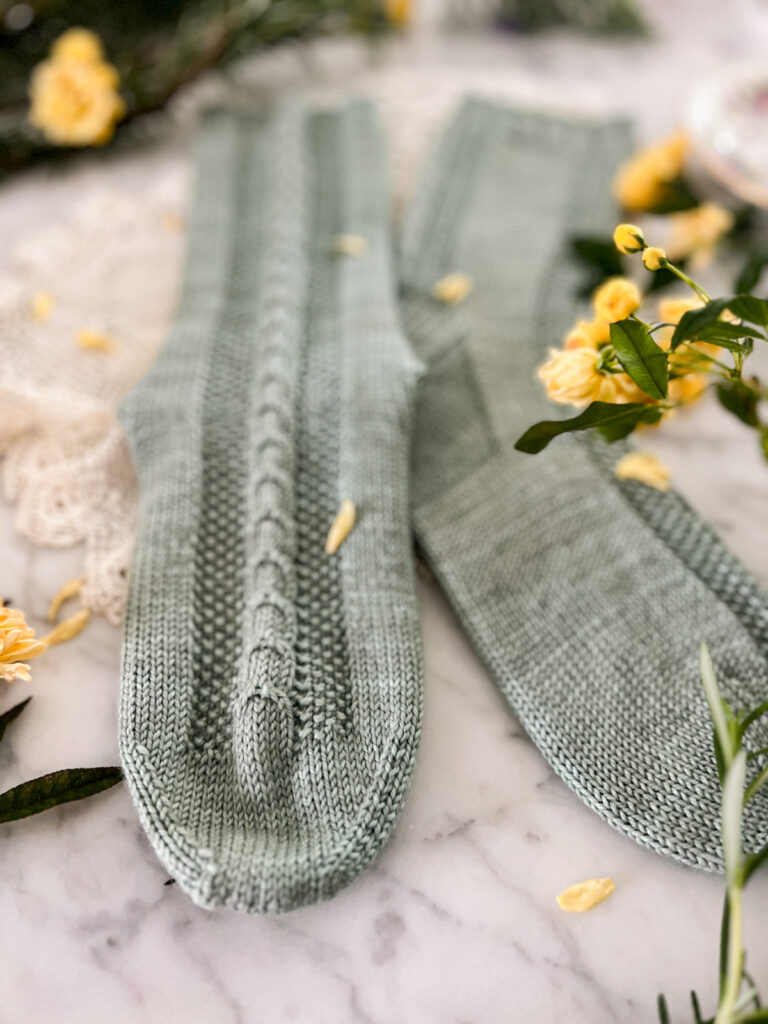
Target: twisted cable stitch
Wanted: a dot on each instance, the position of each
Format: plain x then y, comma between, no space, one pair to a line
271,694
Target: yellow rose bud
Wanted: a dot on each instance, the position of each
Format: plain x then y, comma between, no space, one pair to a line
654,258
615,299
571,377
78,44
628,238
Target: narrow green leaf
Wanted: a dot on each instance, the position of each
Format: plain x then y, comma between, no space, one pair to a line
753,716
749,307
724,329
11,714
753,267
754,1016
740,400
753,861
641,357
695,320
56,788
604,415
661,1004
696,1009
717,711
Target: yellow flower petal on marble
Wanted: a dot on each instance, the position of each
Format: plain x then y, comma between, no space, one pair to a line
453,288
350,245
70,589
341,527
585,895
172,221
644,467
68,628
42,305
17,643
398,12
97,341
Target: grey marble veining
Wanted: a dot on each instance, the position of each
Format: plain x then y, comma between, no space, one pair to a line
456,923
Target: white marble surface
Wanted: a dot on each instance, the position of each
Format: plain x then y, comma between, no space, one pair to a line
456,922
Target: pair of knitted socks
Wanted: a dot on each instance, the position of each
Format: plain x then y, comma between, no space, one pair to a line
271,694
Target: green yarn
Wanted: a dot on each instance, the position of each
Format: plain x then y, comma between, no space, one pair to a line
586,598
271,693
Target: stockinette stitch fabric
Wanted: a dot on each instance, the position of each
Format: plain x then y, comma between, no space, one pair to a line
586,597
271,693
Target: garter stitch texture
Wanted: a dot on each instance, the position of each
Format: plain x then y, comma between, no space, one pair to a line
271,694
587,598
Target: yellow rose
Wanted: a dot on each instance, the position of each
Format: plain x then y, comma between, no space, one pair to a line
671,310
687,388
654,258
79,45
643,180
628,238
695,233
571,375
398,12
75,103
645,467
615,299
580,336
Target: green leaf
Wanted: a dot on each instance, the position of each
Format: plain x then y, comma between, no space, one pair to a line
56,788
723,329
600,258
753,861
678,195
698,1019
753,716
752,270
695,320
11,714
661,1004
749,307
605,415
641,357
740,400
754,1017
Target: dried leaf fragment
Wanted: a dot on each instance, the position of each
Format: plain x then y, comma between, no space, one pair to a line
70,589
645,467
350,245
95,340
453,288
68,628
42,305
340,527
585,895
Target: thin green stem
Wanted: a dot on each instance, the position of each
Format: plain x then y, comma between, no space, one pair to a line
735,964
690,282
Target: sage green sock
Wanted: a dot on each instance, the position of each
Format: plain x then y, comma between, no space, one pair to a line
587,598
271,692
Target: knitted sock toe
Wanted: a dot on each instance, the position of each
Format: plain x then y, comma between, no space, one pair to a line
586,597
271,692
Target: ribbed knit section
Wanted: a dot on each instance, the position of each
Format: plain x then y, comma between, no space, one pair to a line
586,598
271,694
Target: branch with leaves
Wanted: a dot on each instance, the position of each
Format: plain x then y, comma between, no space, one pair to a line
639,370
742,773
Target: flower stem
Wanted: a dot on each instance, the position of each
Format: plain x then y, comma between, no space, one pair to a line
690,282
735,964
